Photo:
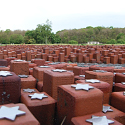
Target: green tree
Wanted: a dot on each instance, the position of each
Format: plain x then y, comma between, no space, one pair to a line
16,39
43,32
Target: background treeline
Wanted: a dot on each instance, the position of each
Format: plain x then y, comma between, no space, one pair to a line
43,35
106,35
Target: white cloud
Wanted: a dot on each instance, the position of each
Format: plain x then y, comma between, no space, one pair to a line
66,14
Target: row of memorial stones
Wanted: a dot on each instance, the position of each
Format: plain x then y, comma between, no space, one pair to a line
62,99
86,54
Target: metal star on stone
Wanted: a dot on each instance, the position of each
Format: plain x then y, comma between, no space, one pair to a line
82,87
23,76
102,71
29,90
38,96
5,73
81,75
59,70
92,80
10,112
19,60
123,83
44,66
102,120
106,109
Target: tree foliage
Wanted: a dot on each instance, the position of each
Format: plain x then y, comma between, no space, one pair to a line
43,34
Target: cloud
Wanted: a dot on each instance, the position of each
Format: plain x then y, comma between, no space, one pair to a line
66,14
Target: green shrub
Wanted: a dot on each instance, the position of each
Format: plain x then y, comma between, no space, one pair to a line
112,41
73,42
120,41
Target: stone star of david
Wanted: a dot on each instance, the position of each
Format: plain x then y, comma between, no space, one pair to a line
10,112
102,120
29,90
23,76
19,60
102,71
82,87
93,80
81,75
38,96
123,83
59,70
5,73
106,109
52,63
44,66
118,67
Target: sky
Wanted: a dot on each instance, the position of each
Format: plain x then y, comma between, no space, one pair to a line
64,14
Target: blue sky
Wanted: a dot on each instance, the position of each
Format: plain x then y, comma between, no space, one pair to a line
66,14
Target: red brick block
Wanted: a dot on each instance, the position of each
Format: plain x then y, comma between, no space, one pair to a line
32,56
43,110
79,58
39,62
31,71
73,103
97,67
19,56
38,56
1,55
51,80
55,59
4,68
3,62
10,89
56,52
106,60
90,55
5,56
38,72
28,56
105,52
19,67
85,59
79,77
58,65
27,119
96,56
103,86
119,87
81,120
61,57
23,57
31,65
44,56
67,51
118,101
29,82
114,59
119,70
115,114
39,86
102,76
119,77
46,50
50,58
73,58
77,70
9,60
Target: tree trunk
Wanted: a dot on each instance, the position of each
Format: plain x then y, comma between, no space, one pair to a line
46,39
